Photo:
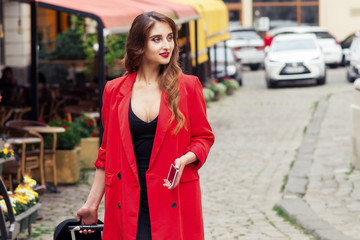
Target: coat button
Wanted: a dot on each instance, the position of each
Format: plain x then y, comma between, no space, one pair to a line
173,205
119,175
118,205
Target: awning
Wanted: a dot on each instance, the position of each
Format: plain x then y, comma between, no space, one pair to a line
180,13
117,15
212,27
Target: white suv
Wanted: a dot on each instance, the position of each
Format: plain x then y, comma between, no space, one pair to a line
248,46
329,45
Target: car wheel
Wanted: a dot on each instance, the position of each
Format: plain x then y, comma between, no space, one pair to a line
254,67
321,80
349,78
270,83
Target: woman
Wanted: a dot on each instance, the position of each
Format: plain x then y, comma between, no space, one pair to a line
153,117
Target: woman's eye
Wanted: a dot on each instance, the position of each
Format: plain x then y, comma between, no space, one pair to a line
170,38
156,39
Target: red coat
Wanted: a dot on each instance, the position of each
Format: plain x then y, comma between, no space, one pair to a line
174,214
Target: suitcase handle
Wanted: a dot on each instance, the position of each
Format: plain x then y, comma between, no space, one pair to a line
87,227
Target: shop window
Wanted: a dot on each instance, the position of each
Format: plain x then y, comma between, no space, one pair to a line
310,15
279,16
2,54
234,16
266,1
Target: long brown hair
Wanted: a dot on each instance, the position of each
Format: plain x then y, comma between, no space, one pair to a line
169,74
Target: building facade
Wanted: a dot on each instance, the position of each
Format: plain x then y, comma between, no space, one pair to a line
341,18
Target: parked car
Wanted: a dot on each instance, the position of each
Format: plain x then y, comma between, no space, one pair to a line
353,70
330,46
294,57
345,45
233,69
247,45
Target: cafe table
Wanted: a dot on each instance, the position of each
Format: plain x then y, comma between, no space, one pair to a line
49,130
23,141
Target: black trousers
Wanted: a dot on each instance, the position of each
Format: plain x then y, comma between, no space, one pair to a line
143,229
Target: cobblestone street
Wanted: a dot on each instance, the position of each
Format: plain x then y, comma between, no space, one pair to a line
258,132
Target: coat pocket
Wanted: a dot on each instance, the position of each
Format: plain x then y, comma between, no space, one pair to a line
189,174
109,178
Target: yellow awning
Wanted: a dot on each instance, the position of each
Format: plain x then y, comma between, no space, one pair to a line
212,26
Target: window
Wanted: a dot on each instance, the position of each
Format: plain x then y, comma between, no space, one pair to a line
279,16
301,44
310,15
246,35
2,54
287,12
234,15
267,1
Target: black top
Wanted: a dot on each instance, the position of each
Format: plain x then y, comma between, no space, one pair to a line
142,134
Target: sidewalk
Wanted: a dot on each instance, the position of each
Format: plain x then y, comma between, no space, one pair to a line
256,140
323,191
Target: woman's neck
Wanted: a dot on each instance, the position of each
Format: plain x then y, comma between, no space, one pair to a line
148,74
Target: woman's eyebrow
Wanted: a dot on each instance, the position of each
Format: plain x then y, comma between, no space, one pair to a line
156,36
159,35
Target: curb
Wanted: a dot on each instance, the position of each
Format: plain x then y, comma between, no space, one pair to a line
292,202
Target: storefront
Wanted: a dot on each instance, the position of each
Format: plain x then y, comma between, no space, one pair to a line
289,12
340,17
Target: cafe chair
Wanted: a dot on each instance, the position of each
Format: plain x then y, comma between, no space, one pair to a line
49,153
5,114
28,147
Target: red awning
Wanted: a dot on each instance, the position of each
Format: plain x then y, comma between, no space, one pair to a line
119,14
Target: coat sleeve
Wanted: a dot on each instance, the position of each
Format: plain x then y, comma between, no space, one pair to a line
100,161
202,137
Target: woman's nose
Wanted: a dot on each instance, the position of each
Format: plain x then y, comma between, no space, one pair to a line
166,45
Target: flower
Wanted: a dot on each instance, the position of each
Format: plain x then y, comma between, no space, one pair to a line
7,152
23,197
86,126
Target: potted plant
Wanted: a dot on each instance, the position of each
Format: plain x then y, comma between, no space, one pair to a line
208,94
24,203
219,89
67,153
89,143
231,85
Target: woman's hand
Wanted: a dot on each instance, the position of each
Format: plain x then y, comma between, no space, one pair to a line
87,216
180,164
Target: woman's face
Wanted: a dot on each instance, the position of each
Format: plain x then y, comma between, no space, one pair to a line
160,44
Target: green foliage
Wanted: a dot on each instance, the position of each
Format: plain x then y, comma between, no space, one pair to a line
115,48
208,94
85,126
65,140
69,45
217,88
76,44
231,83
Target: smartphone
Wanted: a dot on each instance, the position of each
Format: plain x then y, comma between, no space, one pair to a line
172,174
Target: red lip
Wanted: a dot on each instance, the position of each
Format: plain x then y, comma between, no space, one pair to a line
164,55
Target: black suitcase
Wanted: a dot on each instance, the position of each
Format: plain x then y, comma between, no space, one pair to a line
69,230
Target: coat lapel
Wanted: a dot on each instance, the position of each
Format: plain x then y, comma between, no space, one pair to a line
123,111
161,128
